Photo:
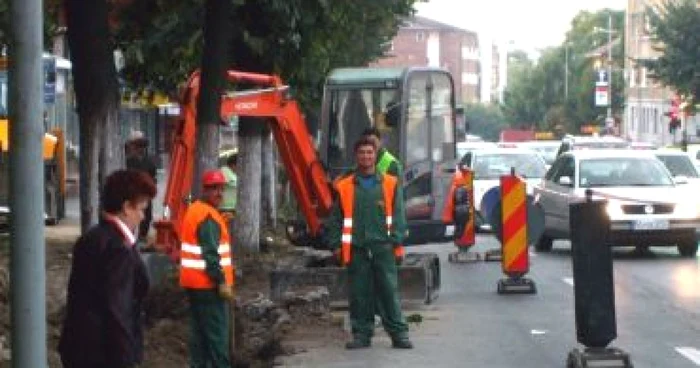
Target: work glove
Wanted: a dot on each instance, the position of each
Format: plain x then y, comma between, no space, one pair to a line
225,292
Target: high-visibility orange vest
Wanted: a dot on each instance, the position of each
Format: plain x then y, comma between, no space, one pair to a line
346,188
193,273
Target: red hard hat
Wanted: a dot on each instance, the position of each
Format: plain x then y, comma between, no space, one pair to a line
213,177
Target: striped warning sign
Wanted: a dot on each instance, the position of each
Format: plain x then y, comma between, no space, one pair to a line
515,260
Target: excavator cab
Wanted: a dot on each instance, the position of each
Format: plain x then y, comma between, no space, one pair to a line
414,109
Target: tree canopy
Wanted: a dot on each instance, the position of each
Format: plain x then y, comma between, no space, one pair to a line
537,92
675,29
298,39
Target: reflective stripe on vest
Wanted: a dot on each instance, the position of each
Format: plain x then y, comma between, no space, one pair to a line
346,189
385,161
193,274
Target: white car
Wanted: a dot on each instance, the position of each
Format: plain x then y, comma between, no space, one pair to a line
464,147
548,149
491,163
646,207
680,165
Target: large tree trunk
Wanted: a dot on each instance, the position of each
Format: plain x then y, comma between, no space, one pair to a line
112,155
95,80
269,181
250,167
217,31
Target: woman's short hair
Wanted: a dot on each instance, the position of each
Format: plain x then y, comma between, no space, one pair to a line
126,185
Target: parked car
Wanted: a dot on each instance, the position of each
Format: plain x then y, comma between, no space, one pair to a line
464,147
490,164
645,206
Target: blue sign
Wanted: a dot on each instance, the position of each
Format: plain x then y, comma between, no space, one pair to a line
49,80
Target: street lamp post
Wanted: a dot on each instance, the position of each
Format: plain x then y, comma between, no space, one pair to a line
609,122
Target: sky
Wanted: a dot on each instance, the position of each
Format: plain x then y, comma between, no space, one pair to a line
529,24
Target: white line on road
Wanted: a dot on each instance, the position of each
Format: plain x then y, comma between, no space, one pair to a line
691,353
568,280
538,332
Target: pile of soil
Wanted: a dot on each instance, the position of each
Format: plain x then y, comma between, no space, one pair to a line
262,327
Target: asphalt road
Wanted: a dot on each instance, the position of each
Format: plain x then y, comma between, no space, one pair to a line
470,325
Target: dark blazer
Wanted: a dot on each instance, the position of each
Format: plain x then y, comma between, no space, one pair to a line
108,282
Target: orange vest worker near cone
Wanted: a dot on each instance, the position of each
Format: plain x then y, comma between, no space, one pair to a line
206,272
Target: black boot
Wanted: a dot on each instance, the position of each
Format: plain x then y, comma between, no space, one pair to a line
357,343
402,343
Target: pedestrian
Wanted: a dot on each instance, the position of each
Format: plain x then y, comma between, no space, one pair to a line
230,189
368,222
137,158
108,281
386,162
206,273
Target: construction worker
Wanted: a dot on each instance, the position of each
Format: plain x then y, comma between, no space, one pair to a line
386,162
459,209
368,222
206,272
230,190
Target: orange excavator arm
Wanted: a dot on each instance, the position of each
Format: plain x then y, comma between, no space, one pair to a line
306,174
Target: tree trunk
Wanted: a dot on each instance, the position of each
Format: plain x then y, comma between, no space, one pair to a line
95,80
250,168
269,181
112,155
217,27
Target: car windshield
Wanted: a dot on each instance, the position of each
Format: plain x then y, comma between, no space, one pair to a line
623,172
549,153
493,165
679,165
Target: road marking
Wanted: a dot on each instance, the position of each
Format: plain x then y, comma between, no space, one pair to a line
533,254
538,332
568,280
691,353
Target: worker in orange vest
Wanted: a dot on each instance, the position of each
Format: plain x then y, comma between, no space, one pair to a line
459,209
206,273
369,223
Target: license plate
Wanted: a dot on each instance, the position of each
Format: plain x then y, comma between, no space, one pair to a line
650,224
449,230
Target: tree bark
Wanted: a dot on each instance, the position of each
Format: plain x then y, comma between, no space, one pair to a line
96,89
217,31
250,168
269,181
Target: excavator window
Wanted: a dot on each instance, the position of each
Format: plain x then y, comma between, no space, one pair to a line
352,111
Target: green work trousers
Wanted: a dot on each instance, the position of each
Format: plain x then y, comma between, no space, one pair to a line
373,279
209,324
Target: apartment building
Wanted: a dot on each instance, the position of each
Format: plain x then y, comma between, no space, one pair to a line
426,42
647,101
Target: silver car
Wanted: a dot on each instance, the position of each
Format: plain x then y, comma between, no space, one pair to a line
645,205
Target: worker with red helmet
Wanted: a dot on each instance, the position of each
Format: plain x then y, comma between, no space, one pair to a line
206,273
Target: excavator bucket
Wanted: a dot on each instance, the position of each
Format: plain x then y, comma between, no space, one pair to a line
419,280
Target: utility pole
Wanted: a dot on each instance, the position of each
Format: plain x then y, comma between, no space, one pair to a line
609,120
26,107
566,71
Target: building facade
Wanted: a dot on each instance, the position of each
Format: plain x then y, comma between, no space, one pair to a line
425,42
647,100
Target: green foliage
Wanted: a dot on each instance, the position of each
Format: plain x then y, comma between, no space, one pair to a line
675,28
299,39
536,94
485,121
51,10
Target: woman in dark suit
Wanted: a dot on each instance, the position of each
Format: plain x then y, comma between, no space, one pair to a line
108,280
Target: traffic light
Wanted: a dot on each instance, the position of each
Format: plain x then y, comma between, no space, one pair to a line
674,114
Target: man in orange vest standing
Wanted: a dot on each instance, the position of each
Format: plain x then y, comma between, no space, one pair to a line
369,222
206,272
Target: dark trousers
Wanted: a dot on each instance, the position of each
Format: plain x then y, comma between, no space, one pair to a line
373,277
209,324
145,225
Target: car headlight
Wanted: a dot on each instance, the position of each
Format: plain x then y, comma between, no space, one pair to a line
687,210
614,210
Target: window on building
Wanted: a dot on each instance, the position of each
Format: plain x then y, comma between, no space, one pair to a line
420,37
